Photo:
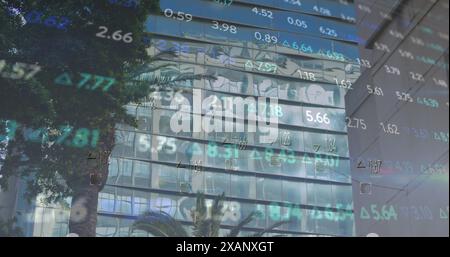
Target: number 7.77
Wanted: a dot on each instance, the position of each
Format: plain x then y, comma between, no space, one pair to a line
98,81
111,81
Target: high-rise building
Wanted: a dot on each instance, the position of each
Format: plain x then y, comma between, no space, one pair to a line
302,53
400,155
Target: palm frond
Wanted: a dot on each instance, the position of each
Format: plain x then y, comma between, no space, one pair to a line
201,224
217,207
235,231
216,215
190,76
145,68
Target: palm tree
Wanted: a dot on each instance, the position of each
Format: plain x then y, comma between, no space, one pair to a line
162,224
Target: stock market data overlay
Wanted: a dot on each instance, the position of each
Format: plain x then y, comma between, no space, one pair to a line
224,118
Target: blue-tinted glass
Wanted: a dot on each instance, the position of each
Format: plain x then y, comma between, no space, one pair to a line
168,27
292,191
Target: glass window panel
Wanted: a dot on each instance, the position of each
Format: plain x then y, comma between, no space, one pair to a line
295,215
323,194
274,213
342,172
242,186
265,39
167,49
326,226
265,161
106,202
144,119
143,143
321,118
166,26
292,191
140,205
242,38
123,202
185,180
265,86
310,191
165,203
106,226
217,55
185,205
125,170
169,71
291,115
268,189
192,52
124,144
293,166
232,213
187,77
262,216
217,183
296,45
239,56
292,140
166,147
124,227
322,94
192,30
343,195
164,121
215,35
187,151
221,83
167,177
293,22
312,220
150,24
142,174
333,71
113,171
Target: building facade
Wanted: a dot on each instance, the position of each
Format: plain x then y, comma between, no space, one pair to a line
302,53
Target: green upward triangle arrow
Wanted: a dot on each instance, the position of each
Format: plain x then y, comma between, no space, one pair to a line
64,80
364,215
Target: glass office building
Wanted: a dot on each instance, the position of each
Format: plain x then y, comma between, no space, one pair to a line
405,55
303,53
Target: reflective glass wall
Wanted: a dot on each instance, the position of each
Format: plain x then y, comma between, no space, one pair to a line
113,108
